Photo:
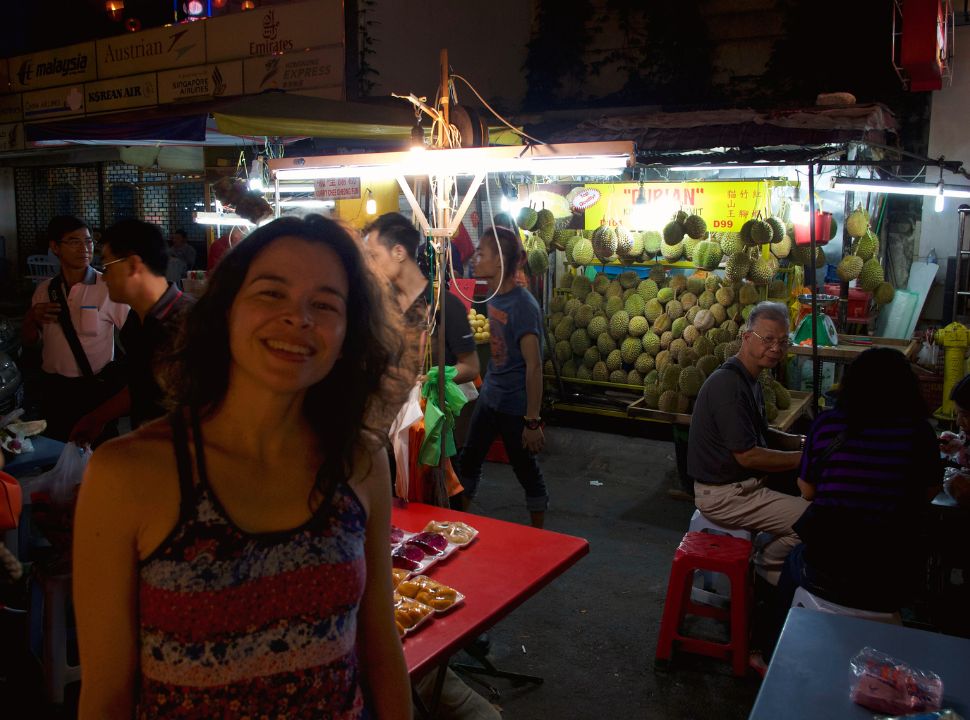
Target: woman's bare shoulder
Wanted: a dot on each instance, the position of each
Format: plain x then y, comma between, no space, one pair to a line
138,457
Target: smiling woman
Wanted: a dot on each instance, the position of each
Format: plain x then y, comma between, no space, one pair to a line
242,542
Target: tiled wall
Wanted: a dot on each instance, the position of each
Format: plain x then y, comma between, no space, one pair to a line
101,194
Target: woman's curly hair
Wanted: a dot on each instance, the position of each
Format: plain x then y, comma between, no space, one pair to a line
352,407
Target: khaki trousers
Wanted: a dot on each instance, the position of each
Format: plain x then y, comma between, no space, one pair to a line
750,505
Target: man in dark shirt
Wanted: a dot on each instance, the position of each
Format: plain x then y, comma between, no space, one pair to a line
134,258
731,449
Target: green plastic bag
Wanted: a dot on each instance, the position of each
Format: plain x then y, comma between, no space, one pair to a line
440,422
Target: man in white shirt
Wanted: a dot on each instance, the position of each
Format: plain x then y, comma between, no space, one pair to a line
73,385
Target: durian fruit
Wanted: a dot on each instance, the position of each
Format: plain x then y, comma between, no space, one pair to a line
695,283
597,326
613,305
730,243
548,368
688,300
651,243
583,373
618,377
595,301
628,279
800,255
600,283
527,218
652,310
600,373
651,396
557,303
771,412
614,289
704,320
619,325
777,290
867,246
725,296
563,351
674,309
690,245
678,283
666,338
673,233
644,363
662,324
545,218
782,395
747,294
672,253
630,350
614,361
718,313
672,401
737,267
662,360
708,254
706,299
572,304
690,333
782,248
687,356
634,378
695,227
647,289
583,252
581,287
624,241
565,328
857,223
634,305
884,293
583,315
777,229
604,243
670,377
651,343
638,326
665,295
690,381
849,268
605,344
579,342
703,345
569,369
591,357
871,275
761,272
707,364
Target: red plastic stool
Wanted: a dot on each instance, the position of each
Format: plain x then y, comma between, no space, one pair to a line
715,553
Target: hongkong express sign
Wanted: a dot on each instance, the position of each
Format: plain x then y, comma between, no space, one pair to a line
63,66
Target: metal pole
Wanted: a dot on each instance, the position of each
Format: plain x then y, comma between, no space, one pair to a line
444,221
844,286
813,247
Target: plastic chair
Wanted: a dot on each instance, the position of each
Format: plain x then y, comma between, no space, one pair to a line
40,268
713,588
49,607
805,599
716,553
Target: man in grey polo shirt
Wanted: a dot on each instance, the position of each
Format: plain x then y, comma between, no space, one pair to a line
731,449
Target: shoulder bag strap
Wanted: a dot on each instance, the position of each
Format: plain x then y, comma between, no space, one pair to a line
56,293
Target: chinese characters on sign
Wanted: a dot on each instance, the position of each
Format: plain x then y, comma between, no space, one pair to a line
337,189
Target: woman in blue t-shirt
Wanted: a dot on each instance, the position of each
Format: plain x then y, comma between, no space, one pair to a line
511,395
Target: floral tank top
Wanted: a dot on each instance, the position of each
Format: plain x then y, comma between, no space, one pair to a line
242,625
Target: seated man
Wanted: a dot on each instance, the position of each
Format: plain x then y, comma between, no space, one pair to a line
134,258
74,320
731,449
181,249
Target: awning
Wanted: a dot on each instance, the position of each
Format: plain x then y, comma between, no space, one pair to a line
176,129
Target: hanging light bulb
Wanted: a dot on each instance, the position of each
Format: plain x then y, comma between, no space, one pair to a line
417,137
640,216
370,206
193,8
938,203
248,5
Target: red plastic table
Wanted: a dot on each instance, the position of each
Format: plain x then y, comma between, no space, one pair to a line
505,566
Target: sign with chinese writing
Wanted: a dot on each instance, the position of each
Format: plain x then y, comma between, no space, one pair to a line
724,205
11,109
11,137
201,83
295,71
122,93
346,188
61,66
275,29
157,49
53,103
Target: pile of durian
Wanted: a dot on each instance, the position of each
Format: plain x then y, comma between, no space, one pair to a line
861,262
664,334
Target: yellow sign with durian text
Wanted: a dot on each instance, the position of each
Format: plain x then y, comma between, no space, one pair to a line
725,206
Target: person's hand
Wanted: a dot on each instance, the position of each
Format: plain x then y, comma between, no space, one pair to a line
43,313
87,430
533,440
950,443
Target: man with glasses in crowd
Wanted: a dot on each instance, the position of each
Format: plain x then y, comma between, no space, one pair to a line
134,258
731,449
73,318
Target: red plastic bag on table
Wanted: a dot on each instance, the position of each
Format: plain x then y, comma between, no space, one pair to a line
885,684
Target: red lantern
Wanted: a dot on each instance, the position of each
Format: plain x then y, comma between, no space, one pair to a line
248,4
219,4
114,8
133,24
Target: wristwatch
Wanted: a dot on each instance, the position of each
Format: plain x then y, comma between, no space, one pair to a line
801,443
532,423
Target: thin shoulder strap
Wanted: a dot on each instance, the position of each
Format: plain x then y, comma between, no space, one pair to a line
199,447
180,439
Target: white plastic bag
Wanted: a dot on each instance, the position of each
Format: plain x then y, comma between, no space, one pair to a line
60,482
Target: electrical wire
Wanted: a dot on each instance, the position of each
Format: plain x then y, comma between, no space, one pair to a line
501,256
509,125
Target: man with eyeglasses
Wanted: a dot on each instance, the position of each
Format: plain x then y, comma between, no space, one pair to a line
134,258
73,318
731,449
